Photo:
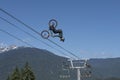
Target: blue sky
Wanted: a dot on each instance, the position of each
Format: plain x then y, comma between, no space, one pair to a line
91,27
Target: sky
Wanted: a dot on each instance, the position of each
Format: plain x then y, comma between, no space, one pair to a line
91,27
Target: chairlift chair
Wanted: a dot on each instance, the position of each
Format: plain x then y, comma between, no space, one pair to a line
65,72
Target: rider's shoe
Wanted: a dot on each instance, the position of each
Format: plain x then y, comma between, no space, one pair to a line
62,39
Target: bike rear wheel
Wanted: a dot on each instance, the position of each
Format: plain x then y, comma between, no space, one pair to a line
45,34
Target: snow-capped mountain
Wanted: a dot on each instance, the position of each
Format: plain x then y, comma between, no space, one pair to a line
7,48
45,63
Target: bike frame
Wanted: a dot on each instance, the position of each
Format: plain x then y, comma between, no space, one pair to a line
53,35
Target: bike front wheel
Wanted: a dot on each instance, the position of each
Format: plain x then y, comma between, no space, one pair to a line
53,22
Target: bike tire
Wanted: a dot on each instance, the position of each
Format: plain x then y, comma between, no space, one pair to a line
53,21
45,34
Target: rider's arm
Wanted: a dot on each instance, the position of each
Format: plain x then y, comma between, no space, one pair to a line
52,28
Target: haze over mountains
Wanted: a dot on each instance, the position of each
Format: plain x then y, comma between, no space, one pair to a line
48,66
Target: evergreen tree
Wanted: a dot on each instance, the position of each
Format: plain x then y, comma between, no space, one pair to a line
22,74
16,74
8,78
27,73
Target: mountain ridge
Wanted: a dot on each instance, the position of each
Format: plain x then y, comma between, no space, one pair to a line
45,63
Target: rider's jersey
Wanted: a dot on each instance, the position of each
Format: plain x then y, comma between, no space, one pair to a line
52,28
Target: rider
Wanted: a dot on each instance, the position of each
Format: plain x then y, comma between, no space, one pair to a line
52,28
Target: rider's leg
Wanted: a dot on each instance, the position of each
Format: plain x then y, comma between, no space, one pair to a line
58,31
60,34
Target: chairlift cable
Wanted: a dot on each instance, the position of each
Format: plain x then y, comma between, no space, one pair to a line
36,32
15,37
23,30
63,48
32,36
